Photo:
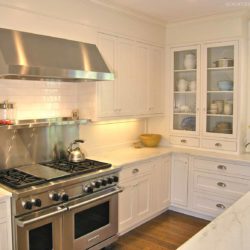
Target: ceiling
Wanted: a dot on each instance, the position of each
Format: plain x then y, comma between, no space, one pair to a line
173,10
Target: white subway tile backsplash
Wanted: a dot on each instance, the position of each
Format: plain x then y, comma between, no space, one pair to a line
40,99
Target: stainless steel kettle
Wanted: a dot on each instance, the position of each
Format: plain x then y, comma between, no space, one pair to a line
75,154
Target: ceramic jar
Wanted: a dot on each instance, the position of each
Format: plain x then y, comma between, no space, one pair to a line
228,108
189,61
192,85
182,85
220,106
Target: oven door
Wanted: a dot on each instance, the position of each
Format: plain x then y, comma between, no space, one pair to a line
91,221
40,230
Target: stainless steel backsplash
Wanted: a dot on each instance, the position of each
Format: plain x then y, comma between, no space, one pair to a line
33,145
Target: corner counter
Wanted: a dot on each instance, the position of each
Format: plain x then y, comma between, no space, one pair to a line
229,231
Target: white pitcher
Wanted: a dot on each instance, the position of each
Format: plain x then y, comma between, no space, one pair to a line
189,61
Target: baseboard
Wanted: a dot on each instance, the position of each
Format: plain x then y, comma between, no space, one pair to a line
191,213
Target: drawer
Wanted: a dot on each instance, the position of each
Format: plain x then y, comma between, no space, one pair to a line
136,170
219,144
224,185
209,204
220,167
185,141
3,209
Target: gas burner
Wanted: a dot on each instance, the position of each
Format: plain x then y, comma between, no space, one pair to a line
83,167
17,179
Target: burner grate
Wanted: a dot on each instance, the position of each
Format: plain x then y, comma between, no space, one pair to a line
17,179
84,167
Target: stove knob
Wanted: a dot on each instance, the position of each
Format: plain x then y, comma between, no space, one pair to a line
36,202
96,184
54,196
110,180
64,197
104,182
115,178
27,205
88,189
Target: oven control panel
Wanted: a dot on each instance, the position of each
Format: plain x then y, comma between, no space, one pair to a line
64,194
99,184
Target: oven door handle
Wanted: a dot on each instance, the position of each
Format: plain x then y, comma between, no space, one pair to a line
116,191
23,223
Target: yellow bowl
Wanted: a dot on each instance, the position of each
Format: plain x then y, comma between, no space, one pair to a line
150,140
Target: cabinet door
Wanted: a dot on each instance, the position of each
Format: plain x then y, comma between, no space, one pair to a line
4,237
127,205
141,83
179,180
106,89
185,88
155,80
142,194
219,92
165,182
125,95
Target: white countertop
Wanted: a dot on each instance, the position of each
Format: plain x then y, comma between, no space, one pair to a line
229,231
4,193
129,155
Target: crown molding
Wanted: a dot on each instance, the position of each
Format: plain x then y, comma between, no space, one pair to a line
129,12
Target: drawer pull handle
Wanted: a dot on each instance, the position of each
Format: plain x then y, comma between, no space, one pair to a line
183,141
221,184
136,170
218,144
222,167
221,206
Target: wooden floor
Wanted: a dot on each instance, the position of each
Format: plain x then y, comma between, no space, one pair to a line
165,232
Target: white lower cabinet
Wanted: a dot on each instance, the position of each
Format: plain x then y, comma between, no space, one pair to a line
179,180
5,224
146,192
215,185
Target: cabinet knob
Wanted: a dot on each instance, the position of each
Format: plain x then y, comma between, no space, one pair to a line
222,167
217,144
221,206
135,170
183,140
221,184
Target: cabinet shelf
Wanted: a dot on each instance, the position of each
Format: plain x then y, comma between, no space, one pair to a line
220,91
220,68
184,92
219,115
185,70
184,113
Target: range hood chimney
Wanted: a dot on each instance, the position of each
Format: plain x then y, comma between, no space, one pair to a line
36,57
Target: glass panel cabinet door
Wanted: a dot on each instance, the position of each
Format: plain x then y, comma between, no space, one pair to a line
185,86
220,81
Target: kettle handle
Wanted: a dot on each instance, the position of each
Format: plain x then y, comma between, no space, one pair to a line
72,143
80,141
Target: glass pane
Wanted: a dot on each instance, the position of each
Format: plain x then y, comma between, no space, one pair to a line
184,106
91,219
220,89
41,238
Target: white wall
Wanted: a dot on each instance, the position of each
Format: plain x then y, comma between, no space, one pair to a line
76,20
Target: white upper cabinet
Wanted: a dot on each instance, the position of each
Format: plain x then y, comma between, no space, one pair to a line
185,87
155,80
138,86
220,88
208,80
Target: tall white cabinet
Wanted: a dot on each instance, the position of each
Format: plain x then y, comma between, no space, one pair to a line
204,100
138,88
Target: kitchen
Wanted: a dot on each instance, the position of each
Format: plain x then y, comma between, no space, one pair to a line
131,44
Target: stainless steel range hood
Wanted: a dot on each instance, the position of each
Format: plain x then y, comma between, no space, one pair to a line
36,57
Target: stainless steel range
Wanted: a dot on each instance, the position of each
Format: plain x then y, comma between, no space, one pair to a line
61,205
